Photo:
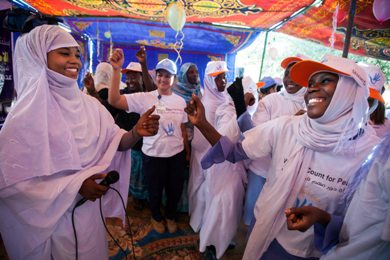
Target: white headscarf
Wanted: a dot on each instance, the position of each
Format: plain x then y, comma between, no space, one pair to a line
53,126
345,115
213,98
103,76
335,130
297,97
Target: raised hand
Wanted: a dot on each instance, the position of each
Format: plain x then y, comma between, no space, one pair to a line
141,54
117,59
195,111
148,124
249,99
89,83
304,217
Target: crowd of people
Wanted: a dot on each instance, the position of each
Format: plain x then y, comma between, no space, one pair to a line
305,166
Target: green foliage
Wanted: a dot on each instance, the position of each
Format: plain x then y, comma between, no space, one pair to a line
280,46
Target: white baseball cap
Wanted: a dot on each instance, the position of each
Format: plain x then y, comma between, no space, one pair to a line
133,66
376,80
302,71
168,65
214,68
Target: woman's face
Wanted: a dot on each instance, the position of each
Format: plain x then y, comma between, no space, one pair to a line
133,81
220,81
192,75
290,86
320,92
65,61
164,80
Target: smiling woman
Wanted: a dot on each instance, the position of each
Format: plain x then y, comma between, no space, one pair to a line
65,61
332,132
319,93
55,142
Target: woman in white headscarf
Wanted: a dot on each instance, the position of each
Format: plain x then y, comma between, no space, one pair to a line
216,194
55,142
313,155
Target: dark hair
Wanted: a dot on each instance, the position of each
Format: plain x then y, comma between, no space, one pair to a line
378,116
267,90
20,20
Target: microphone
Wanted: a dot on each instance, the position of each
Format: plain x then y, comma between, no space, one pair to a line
111,178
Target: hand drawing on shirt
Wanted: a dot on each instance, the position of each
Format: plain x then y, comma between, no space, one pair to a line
170,129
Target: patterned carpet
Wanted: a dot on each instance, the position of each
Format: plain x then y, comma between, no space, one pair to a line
148,244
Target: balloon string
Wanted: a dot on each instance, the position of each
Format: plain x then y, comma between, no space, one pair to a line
332,38
178,45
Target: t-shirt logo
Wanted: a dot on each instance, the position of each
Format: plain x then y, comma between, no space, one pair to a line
169,129
375,78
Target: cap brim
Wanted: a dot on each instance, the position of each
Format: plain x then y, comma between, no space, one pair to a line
376,95
289,60
302,71
260,84
126,70
214,74
170,72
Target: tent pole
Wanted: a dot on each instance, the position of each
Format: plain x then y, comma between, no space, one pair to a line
351,16
263,55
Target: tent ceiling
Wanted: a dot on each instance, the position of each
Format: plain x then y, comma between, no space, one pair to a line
197,37
369,38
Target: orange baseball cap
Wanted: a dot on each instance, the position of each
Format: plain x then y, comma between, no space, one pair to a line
302,71
287,61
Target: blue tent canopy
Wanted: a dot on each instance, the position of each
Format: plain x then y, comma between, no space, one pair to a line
202,43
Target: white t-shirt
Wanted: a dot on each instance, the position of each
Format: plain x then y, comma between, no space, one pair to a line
270,107
365,233
326,177
169,140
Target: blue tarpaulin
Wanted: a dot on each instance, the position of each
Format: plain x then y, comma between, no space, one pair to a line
202,43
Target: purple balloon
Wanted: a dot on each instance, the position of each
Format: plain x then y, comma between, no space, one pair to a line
381,10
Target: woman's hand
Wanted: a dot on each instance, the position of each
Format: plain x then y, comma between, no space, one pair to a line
88,82
195,111
304,217
91,190
148,124
141,54
117,59
249,99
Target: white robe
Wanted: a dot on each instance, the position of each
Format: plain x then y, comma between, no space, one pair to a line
216,194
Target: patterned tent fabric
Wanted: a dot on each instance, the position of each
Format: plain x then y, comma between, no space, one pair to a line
370,37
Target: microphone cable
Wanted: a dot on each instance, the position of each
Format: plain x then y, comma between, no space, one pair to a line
105,226
104,223
127,220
